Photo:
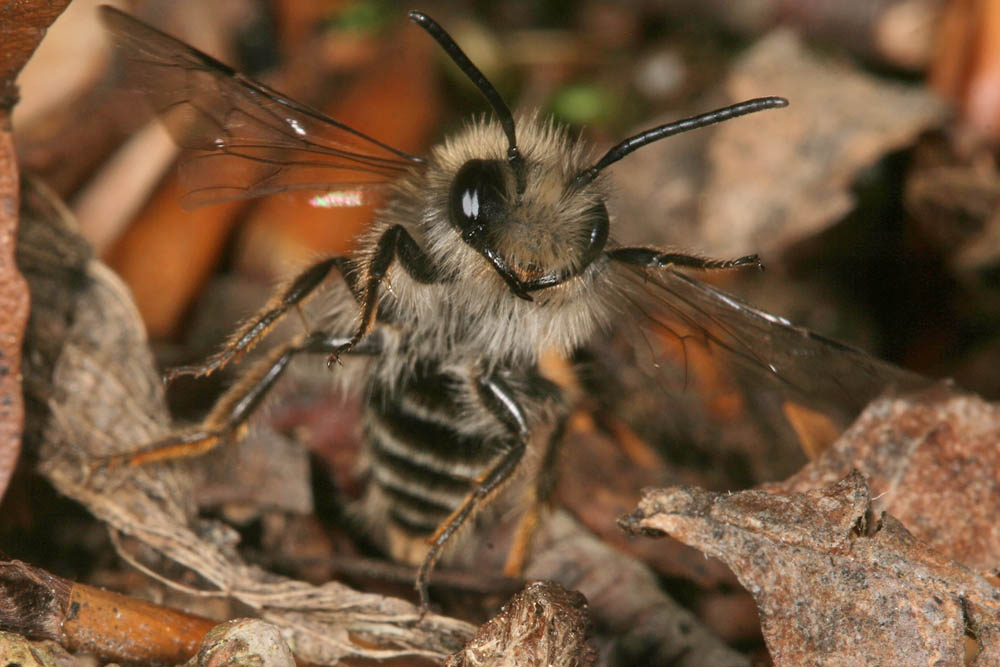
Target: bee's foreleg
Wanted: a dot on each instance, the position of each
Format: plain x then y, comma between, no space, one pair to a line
228,419
655,259
395,244
254,329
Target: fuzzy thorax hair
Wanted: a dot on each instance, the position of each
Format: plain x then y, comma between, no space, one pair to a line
473,311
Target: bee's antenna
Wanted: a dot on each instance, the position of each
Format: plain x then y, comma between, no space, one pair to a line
499,106
693,123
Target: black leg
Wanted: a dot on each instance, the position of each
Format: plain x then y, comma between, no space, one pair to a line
395,243
539,496
655,259
486,485
251,332
228,419
499,400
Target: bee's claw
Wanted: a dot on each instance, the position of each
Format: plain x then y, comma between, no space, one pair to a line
334,357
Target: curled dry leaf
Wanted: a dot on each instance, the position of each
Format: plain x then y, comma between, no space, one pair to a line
543,625
833,587
932,461
97,393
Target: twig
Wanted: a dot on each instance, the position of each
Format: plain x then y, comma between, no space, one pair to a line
117,627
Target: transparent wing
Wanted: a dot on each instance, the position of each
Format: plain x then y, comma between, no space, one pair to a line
250,139
689,322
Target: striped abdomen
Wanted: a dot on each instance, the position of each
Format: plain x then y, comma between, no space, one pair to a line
428,438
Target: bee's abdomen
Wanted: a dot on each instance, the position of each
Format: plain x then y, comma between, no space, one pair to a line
424,449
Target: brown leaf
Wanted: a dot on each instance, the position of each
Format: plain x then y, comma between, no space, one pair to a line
544,624
780,177
22,25
831,587
769,180
931,461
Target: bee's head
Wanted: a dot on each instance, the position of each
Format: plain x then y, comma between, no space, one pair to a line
528,220
536,215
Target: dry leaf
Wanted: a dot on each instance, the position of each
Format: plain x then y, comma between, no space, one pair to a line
761,183
932,461
778,178
833,587
625,600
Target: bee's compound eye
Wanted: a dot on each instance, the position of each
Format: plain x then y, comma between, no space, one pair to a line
597,235
477,199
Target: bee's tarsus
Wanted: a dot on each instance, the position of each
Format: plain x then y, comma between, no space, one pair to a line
651,258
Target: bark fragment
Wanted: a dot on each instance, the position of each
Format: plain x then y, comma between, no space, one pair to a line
543,625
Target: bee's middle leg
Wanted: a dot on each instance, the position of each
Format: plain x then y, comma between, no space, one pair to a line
228,419
293,295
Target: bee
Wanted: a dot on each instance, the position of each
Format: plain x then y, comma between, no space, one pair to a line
489,252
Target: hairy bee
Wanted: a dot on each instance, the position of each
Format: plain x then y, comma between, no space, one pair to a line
490,251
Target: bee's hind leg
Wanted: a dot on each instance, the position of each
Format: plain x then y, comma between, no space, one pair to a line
539,495
228,419
486,486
